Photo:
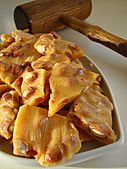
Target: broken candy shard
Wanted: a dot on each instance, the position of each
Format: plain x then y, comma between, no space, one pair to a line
50,140
48,61
67,81
9,72
33,87
49,44
92,112
9,104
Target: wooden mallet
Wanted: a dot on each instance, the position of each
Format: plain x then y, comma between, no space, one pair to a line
52,15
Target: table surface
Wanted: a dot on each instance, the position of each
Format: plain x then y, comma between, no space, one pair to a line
112,16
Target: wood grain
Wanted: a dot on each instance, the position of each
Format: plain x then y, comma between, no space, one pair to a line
97,34
43,15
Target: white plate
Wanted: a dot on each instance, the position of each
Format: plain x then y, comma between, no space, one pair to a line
113,67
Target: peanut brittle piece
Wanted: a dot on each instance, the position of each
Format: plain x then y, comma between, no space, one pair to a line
18,82
67,81
48,61
77,63
40,136
20,52
92,112
9,72
33,87
6,39
9,104
49,44
20,35
16,36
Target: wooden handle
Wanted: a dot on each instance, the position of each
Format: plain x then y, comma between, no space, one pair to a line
96,34
43,15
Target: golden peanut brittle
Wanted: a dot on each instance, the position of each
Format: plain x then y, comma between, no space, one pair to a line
21,36
9,72
33,87
17,36
49,44
50,140
9,104
18,82
48,61
20,52
6,39
92,111
43,70
67,81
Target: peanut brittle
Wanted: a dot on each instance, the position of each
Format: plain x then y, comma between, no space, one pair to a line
48,61
18,82
16,36
6,39
43,70
9,72
21,36
92,112
20,52
67,81
33,87
49,44
9,104
50,140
